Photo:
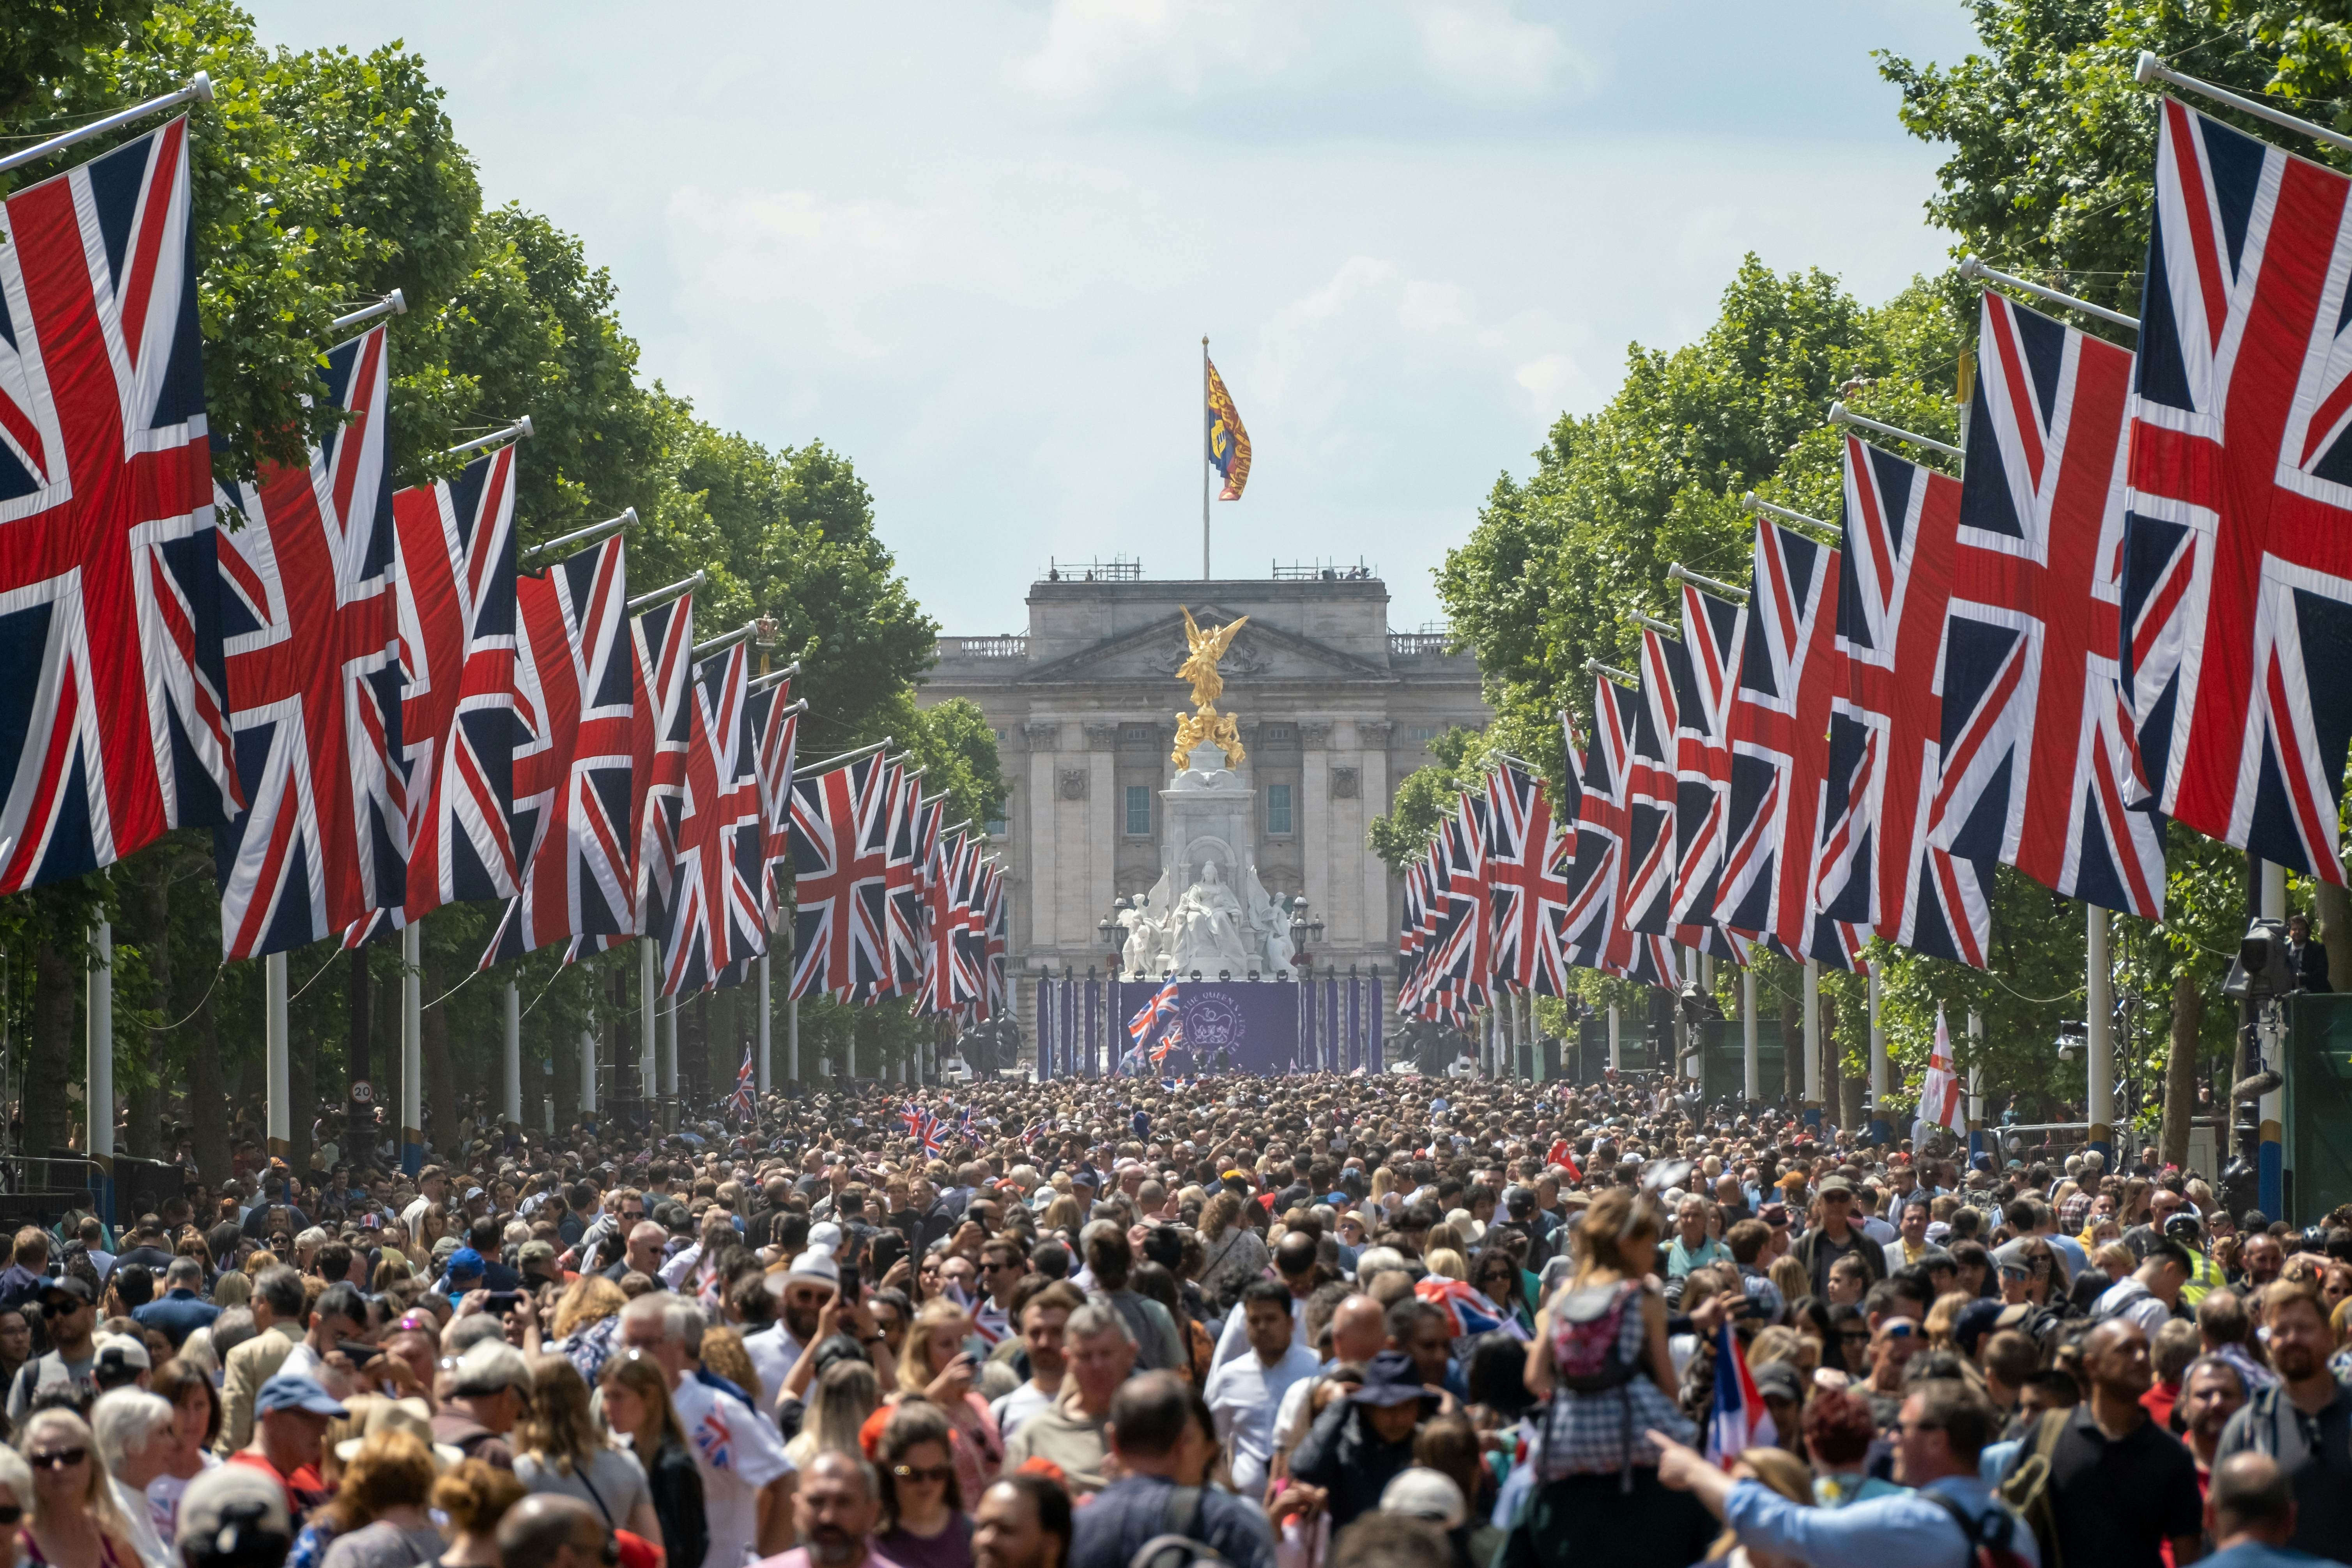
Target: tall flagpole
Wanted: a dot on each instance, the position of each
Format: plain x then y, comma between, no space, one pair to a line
1207,419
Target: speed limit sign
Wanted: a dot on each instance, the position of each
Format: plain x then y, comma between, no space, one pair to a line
363,1092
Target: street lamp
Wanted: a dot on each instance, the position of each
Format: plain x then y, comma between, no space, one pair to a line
1302,929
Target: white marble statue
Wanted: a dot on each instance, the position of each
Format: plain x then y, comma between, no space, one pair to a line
1204,929
1270,925
1140,953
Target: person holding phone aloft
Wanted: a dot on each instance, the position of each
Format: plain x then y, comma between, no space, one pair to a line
940,1367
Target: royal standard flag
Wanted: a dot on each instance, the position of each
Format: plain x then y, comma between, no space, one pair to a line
1228,450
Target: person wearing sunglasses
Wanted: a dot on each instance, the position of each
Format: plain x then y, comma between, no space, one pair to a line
69,1312
922,1502
73,1518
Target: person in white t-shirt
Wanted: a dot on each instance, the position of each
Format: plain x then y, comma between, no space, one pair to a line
1244,1394
1044,1318
747,1480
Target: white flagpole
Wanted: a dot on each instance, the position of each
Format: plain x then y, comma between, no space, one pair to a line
767,1003
1813,1101
198,89
648,1038
1747,1033
412,1047
2099,1102
514,1054
273,1031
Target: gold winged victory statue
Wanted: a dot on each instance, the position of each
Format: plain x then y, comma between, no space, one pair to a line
1205,723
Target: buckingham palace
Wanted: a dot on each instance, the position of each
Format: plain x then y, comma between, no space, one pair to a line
1332,707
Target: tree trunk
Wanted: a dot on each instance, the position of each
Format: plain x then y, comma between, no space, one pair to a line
2181,1072
432,1044
2333,905
49,1067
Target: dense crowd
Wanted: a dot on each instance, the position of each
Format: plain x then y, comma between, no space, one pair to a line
1387,1323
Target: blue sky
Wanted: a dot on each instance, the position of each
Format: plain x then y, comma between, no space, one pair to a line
975,246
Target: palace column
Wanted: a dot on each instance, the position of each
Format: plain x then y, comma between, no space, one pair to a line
1373,873
1310,827
1098,836
1045,739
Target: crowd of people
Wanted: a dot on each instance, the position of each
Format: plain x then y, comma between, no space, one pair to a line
1276,1322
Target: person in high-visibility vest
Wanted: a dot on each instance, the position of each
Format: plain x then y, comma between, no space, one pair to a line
2204,1274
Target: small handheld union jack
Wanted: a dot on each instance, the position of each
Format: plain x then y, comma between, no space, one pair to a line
744,1102
1034,1131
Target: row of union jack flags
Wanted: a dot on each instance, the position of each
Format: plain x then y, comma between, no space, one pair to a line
2124,609
887,901
354,687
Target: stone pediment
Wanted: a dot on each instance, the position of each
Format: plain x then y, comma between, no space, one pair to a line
1259,653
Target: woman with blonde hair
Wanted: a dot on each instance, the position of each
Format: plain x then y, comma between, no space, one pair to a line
1784,1473
1062,1214
1444,1262
1600,1363
723,1354
638,1411
937,1367
559,1448
1235,1253
70,1518
379,1511
846,1393
586,1324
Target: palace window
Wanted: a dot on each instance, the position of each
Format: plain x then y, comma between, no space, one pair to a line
1277,809
1138,811
1277,731
1139,731
1424,733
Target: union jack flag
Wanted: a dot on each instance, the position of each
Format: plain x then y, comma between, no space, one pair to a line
1467,1311
1654,790
1527,890
1161,1013
1589,912
1450,978
744,1102
2238,582
841,947
933,1132
912,826
1779,730
2037,742
1607,817
968,943
1875,862
573,781
1713,630
715,919
457,598
1034,1130
661,659
313,681
942,922
995,996
914,1116
775,723
114,727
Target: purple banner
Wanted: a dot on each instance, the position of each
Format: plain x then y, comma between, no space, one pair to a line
1230,1025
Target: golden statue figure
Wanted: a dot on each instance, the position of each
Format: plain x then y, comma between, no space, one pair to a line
1201,668
1206,724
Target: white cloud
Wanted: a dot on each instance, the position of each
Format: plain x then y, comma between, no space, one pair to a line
1479,47
1091,48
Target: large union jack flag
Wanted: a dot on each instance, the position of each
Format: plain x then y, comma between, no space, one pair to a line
2238,584
313,672
661,716
1589,868
841,942
457,598
113,720
911,824
1647,897
775,724
715,922
1778,730
1875,863
1527,891
2037,742
1713,630
571,772
996,993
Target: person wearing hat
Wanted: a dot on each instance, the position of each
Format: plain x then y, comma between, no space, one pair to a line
120,1361
1837,1236
69,1311
289,1431
232,1517
1420,1492
488,1389
1361,1442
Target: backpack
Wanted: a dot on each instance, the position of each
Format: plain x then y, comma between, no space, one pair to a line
1988,1538
1176,1545
1585,1358
2026,1488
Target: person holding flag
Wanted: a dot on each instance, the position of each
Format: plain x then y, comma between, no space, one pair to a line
744,1101
1940,1095
1159,1014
